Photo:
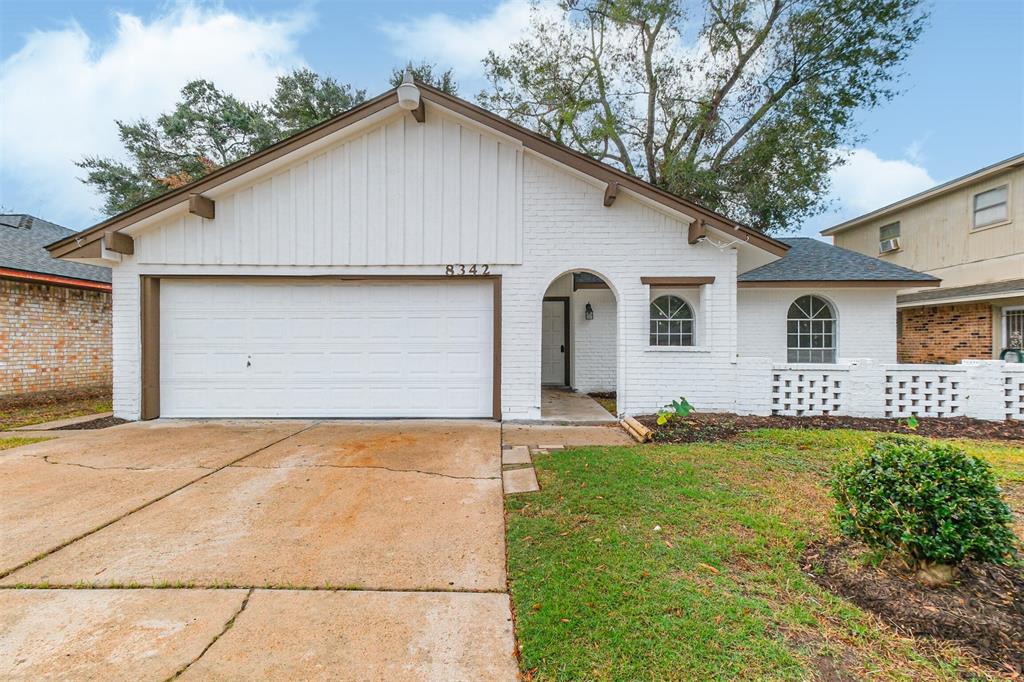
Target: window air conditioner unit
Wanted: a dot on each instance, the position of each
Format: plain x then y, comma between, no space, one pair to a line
889,245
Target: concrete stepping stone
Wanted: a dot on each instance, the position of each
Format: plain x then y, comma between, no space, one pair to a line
520,481
517,454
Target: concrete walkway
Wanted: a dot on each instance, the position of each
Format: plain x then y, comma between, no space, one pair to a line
562,406
291,549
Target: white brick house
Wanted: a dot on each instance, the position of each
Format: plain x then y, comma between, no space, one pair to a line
395,262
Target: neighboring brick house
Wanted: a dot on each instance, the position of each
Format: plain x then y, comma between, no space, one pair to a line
54,314
969,232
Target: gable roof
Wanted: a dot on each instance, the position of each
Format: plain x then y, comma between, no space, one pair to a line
937,191
23,240
530,140
811,260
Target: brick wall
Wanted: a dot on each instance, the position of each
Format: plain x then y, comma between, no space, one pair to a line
52,338
946,334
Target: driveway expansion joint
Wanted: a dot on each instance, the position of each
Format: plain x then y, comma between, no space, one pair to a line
195,587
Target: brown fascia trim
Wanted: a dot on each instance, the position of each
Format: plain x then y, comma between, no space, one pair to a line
57,280
529,139
840,283
676,281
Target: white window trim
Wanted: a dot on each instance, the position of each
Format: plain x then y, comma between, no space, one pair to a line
835,329
1005,182
899,235
690,295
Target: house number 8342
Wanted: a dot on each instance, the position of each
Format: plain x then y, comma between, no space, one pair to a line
463,269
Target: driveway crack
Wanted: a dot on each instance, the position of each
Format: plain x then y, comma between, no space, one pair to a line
46,458
227,626
211,472
366,466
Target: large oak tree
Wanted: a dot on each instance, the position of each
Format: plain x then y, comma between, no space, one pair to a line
742,105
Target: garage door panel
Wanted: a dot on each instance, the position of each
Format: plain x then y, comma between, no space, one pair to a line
342,349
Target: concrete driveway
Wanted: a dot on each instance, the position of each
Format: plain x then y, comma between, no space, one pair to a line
247,550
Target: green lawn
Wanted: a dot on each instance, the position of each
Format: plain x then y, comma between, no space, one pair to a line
681,562
7,443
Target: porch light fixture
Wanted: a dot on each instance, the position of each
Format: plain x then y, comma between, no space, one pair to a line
408,93
588,312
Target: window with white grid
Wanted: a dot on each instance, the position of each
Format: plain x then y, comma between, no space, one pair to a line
811,330
671,322
1013,327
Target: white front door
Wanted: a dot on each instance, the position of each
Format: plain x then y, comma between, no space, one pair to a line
322,348
553,344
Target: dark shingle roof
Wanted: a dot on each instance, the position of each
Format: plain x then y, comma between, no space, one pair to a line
813,260
23,239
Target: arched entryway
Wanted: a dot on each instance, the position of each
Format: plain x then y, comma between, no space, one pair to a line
579,339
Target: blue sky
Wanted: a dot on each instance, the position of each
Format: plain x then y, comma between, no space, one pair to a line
69,68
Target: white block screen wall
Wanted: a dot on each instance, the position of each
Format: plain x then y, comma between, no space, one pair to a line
234,347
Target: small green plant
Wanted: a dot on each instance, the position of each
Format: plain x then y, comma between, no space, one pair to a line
911,422
931,503
677,408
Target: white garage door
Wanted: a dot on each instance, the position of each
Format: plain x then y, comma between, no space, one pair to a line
293,348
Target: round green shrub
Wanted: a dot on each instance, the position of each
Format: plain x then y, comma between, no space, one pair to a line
931,502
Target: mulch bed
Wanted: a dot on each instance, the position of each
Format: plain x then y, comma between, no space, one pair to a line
54,398
983,610
98,423
704,427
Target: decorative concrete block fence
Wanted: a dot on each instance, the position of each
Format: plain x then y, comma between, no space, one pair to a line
982,389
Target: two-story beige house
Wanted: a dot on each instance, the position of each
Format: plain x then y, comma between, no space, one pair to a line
969,232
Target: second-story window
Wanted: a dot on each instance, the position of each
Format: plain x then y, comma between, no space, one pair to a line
991,206
889,238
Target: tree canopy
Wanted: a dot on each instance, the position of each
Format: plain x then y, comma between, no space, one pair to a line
209,128
741,105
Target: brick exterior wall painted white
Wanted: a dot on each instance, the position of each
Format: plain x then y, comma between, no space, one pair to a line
866,319
565,228
593,341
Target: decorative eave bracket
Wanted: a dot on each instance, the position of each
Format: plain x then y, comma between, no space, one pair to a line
201,206
610,192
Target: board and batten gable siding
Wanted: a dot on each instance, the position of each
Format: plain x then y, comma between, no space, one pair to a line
401,193
866,318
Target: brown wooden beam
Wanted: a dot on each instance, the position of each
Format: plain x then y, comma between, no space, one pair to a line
697,231
420,112
118,242
610,192
201,206
676,281
150,327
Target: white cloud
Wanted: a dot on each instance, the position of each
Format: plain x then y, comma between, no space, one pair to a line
459,43
64,90
866,181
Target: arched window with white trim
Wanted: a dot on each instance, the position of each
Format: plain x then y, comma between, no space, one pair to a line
672,322
811,330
